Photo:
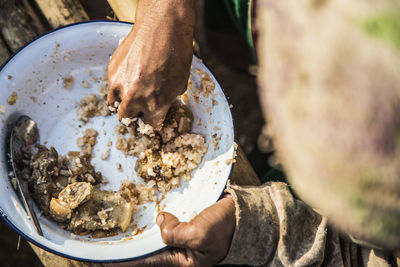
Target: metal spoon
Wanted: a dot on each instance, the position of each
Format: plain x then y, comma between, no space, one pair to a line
25,133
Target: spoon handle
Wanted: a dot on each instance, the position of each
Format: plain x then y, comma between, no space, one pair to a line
23,189
23,135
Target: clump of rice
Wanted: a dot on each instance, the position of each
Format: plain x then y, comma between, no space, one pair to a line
92,106
87,141
165,156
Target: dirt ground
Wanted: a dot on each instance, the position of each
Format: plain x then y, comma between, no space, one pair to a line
241,89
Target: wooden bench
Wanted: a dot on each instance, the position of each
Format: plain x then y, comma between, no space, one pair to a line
23,20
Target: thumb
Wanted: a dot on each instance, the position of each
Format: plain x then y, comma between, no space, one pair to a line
175,233
156,117
127,109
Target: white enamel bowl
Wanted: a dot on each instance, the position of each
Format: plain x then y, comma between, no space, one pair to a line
83,50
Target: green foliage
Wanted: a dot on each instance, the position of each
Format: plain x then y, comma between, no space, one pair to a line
385,26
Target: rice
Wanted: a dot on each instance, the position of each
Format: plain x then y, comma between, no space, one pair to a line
87,141
167,155
143,128
92,106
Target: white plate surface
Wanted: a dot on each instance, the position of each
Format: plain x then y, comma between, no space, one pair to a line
79,50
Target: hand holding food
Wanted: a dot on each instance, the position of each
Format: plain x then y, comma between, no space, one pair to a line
151,66
204,241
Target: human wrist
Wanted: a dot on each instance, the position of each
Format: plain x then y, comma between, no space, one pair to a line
179,11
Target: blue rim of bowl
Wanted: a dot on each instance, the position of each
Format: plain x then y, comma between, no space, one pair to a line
36,243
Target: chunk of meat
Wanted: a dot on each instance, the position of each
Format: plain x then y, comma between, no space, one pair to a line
105,210
70,198
59,210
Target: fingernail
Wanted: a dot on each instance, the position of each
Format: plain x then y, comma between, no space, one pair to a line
160,219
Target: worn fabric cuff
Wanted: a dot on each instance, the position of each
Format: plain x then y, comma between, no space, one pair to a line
273,228
256,234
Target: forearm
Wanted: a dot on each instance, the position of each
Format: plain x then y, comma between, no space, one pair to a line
169,25
169,22
166,29
167,13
